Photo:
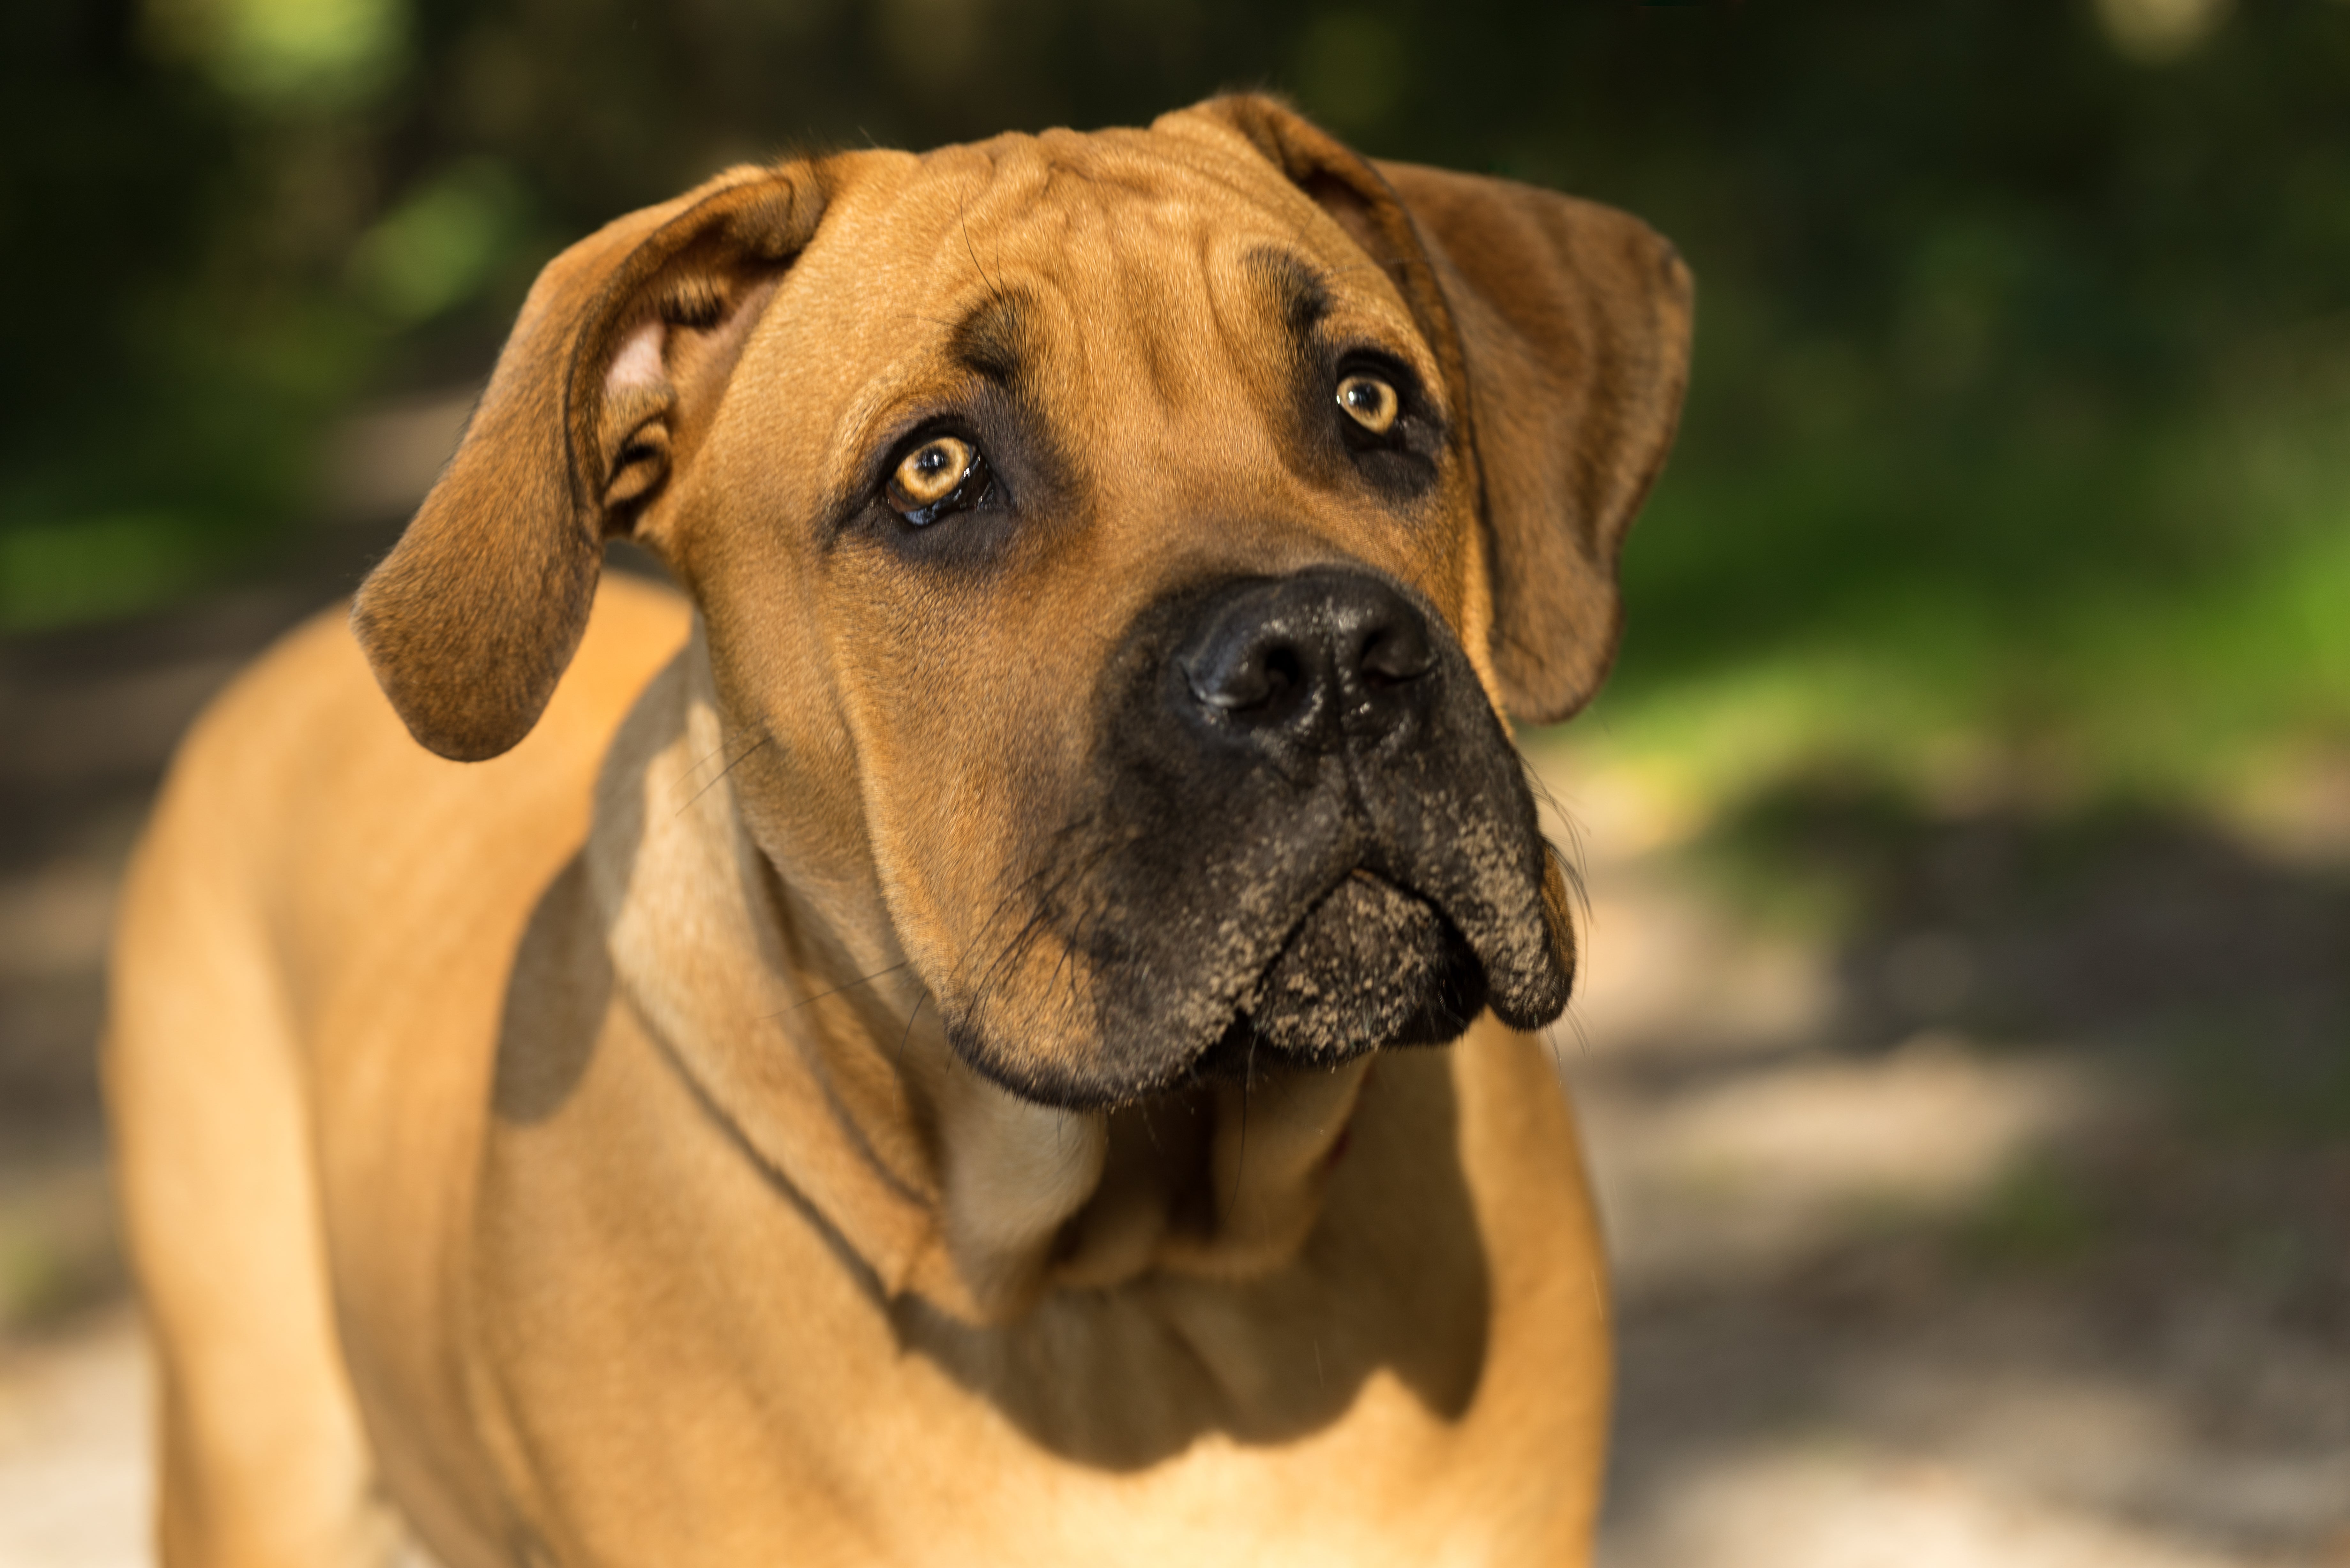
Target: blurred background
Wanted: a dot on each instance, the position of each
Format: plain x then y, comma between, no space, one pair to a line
1965,1046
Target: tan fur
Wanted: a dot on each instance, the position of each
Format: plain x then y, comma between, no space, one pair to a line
560,1156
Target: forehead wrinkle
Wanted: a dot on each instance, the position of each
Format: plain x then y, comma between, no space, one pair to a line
1172,358
988,191
1103,275
1129,204
1315,306
1121,267
1163,295
992,340
1299,291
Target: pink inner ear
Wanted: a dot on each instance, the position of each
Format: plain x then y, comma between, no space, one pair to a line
638,362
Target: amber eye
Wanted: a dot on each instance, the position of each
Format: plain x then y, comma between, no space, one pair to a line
1369,402
932,477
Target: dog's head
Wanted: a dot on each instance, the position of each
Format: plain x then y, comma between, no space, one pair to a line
1124,542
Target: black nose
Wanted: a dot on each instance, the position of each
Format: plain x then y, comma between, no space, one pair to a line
1319,659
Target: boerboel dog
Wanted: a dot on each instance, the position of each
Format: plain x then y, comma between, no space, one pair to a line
904,1052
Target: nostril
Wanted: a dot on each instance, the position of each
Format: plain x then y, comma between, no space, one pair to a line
1252,677
1283,671
1393,655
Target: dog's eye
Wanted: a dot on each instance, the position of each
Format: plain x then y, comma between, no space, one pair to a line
1369,402
930,472
943,474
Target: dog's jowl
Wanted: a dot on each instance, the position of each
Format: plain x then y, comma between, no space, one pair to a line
989,1025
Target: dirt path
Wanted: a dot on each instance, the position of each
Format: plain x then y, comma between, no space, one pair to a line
74,1486
2002,1220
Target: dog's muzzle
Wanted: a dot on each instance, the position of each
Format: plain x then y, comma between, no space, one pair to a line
1285,672
1302,835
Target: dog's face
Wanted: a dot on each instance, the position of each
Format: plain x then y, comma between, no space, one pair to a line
1130,535
1126,540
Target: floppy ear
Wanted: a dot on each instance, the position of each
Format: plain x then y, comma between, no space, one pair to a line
1564,328
614,367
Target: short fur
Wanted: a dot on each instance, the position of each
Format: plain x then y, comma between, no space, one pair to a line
897,1054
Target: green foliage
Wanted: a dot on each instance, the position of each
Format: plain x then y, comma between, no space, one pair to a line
2024,346
442,243
274,54
59,573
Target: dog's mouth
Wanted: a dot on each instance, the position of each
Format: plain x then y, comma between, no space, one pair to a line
1219,978
1371,965
1337,854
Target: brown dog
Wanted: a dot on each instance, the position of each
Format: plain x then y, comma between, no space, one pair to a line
890,1063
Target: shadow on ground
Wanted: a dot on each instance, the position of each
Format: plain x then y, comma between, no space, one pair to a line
1980,1182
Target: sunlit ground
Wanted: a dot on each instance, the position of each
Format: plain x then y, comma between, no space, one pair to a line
1977,1157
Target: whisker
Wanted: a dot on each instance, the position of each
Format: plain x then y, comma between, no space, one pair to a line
835,991
1570,869
962,217
1570,863
1023,885
1082,939
695,766
1572,873
1062,873
1007,958
729,768
1574,1020
1248,1079
907,1038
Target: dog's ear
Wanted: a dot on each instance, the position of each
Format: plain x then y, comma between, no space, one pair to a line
614,367
1564,328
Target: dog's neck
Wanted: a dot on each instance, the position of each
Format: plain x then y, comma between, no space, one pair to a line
777,989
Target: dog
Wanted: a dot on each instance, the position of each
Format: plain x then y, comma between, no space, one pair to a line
920,1046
